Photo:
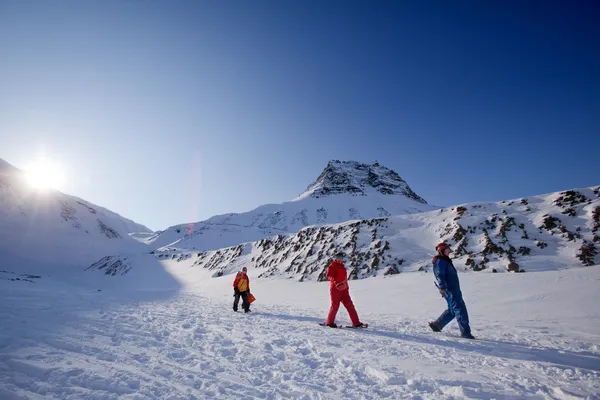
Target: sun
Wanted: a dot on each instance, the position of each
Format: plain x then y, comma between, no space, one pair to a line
45,174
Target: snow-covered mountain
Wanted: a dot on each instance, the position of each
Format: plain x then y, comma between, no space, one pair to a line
542,232
351,177
345,190
42,228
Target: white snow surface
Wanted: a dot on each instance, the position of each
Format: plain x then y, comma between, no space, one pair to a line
167,331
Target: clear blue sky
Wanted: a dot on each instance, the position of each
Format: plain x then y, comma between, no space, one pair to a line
172,111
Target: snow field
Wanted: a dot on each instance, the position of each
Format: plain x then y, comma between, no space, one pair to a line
64,342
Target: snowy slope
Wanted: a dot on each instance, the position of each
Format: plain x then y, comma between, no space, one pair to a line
542,232
345,190
142,337
52,228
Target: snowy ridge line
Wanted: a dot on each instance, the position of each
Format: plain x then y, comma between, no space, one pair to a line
12,276
529,234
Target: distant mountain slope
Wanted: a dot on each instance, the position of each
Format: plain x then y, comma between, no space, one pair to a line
53,228
345,190
550,231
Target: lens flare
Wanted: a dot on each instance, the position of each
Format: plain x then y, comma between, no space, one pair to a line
45,174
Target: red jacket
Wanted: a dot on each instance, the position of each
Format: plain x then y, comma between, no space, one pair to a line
238,282
336,273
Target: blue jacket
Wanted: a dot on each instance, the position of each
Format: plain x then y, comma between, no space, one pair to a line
446,276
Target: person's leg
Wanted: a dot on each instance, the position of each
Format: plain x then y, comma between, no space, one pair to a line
236,301
460,310
245,302
447,316
335,305
347,301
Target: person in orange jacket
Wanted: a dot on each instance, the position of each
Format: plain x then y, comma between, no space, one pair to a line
241,287
340,293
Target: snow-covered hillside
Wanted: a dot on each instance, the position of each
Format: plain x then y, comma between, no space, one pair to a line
542,232
167,332
345,190
50,228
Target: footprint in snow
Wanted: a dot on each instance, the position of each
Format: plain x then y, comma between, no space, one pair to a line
303,350
280,342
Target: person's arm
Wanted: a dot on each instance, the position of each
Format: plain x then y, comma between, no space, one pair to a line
330,274
440,268
235,283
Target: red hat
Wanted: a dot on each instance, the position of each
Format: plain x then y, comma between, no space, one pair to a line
244,269
441,247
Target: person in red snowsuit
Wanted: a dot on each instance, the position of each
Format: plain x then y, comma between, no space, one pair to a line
340,293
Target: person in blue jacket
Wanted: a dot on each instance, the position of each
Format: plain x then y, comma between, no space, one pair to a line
446,280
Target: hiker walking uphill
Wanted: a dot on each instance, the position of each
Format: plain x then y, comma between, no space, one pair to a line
339,291
241,287
446,280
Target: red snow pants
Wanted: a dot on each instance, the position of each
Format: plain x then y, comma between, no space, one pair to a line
337,297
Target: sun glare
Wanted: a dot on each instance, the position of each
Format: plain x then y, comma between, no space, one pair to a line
45,174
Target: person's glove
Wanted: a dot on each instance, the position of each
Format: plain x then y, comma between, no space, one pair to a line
236,291
443,292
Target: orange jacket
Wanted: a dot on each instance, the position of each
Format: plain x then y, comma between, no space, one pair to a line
241,282
336,273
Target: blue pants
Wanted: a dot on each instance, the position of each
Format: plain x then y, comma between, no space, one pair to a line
456,308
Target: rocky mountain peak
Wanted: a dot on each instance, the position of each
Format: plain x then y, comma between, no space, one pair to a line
359,179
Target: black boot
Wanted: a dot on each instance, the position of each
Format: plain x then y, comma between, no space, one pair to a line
434,327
